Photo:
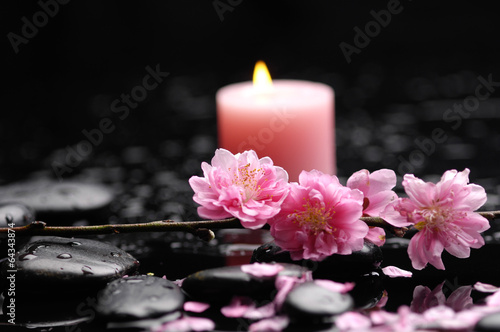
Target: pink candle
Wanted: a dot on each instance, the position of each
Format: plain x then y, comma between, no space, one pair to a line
291,121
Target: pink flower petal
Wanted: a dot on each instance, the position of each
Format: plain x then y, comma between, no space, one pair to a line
262,270
460,299
394,272
370,184
187,324
238,307
178,282
376,235
393,216
266,311
493,300
352,320
274,324
284,284
335,286
485,288
194,306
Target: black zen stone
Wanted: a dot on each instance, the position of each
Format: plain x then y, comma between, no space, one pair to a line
310,302
69,264
368,289
58,201
335,267
139,297
58,309
15,214
220,284
489,323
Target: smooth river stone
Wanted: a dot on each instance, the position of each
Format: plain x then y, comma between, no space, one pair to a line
220,284
368,290
312,303
490,322
57,201
139,297
69,264
15,213
335,267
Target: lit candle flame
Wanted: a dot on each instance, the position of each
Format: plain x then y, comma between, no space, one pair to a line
261,78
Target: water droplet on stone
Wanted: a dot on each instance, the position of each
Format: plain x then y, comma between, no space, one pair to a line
134,281
75,243
35,247
87,270
116,291
64,256
26,257
115,254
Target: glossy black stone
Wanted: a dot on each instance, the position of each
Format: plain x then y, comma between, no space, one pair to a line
220,284
69,264
335,267
368,289
312,302
13,215
43,311
489,323
56,201
139,297
16,214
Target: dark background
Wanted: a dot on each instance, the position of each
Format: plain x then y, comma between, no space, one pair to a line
395,90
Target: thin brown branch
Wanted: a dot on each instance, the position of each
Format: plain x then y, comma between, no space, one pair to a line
202,229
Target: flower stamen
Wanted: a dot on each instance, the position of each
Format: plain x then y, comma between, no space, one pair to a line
314,217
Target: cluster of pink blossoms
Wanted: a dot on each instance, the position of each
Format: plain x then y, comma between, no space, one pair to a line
318,216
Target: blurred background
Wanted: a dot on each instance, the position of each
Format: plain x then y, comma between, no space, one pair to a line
62,77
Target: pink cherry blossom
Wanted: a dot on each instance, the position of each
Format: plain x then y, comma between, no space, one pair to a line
424,298
319,217
377,190
241,186
443,214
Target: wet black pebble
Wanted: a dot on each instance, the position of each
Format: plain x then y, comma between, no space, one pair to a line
220,284
57,201
489,323
69,264
139,297
357,263
15,214
368,289
313,303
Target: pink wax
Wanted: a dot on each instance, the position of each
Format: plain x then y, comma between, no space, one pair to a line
293,124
